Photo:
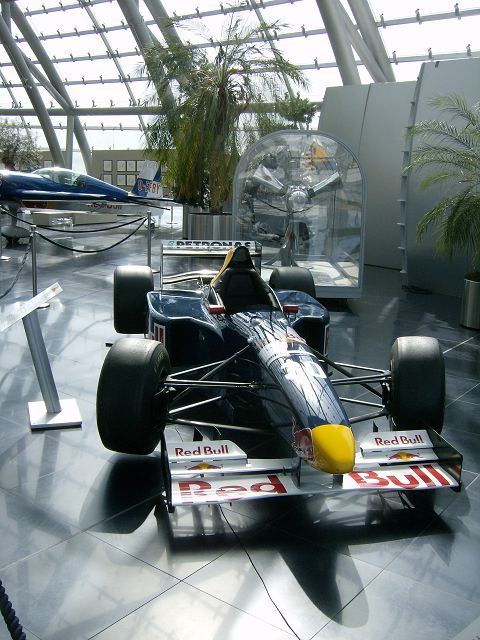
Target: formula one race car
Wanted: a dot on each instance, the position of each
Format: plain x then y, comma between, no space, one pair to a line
235,359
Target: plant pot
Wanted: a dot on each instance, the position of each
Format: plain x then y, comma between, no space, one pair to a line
470,315
203,225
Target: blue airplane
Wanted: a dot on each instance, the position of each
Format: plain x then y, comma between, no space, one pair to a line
67,190
56,184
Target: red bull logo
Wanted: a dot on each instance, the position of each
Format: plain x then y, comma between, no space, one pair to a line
202,450
417,439
203,466
149,187
192,491
302,443
415,477
403,455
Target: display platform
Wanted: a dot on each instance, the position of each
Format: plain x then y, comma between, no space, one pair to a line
53,217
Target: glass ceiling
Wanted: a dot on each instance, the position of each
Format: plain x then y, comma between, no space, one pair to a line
94,46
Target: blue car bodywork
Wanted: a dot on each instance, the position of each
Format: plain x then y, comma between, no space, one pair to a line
234,356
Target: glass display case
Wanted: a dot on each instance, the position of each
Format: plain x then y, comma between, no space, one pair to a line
301,194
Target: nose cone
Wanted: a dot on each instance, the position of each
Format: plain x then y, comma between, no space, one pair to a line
333,448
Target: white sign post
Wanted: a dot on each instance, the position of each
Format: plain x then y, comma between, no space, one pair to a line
51,413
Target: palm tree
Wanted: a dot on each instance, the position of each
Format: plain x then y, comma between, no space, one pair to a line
452,151
197,134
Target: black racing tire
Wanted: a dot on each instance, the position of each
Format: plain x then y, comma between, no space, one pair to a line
130,287
131,414
417,393
293,278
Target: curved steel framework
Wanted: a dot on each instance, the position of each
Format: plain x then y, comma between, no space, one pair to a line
28,68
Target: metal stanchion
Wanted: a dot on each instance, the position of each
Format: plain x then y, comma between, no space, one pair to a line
161,266
41,362
2,257
34,267
149,238
34,260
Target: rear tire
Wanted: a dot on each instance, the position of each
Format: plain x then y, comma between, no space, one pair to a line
293,278
417,394
130,287
131,414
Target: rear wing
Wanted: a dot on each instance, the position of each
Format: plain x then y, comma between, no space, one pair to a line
208,248
199,251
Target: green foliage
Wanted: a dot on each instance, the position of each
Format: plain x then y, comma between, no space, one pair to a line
450,151
289,113
296,110
18,149
202,97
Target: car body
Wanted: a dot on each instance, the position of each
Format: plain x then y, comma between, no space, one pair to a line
234,356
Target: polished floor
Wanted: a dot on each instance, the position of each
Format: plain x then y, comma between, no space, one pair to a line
87,549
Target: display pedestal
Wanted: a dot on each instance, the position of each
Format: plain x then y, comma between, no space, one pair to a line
51,413
202,225
68,416
470,314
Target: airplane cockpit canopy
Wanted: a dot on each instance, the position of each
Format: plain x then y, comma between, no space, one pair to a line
61,175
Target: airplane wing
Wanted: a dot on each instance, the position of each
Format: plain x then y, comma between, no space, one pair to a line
150,202
65,196
49,196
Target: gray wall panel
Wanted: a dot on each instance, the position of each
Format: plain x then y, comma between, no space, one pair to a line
342,113
372,120
424,267
381,156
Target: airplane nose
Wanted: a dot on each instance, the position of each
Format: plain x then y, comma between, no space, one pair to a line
333,448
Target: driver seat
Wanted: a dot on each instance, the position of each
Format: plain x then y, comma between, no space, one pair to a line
240,286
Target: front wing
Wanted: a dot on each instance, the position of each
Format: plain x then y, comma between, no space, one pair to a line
219,471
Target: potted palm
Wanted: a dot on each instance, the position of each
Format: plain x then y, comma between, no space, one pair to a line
450,150
200,134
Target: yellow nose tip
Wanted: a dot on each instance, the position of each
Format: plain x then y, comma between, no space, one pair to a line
333,448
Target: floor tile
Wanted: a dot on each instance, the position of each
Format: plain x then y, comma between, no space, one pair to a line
400,608
448,559
185,612
277,573
91,489
26,529
78,587
180,543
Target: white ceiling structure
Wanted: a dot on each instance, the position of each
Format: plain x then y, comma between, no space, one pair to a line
70,69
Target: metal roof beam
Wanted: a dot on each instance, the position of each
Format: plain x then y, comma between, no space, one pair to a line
111,54
163,21
371,36
140,31
342,50
53,84
16,56
365,55
260,107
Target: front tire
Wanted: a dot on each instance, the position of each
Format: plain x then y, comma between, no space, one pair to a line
130,287
131,413
417,393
